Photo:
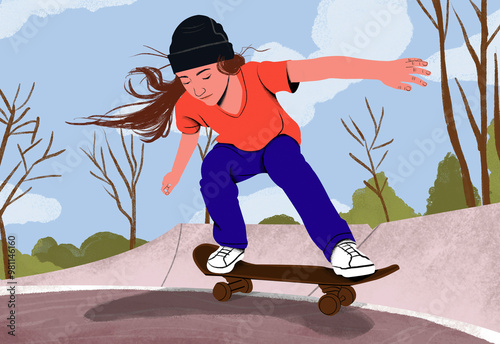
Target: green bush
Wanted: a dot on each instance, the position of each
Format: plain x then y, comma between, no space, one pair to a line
448,194
279,220
96,247
367,209
26,265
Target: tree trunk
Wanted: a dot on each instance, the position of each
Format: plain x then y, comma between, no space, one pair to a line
379,194
207,216
485,177
448,113
133,225
496,111
5,249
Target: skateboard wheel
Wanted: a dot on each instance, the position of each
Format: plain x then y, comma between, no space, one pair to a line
329,304
347,295
222,291
248,286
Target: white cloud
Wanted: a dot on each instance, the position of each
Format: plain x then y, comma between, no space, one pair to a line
15,13
378,30
459,63
266,203
29,208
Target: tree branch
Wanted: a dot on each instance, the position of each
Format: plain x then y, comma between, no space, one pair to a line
371,114
3,113
140,167
360,162
22,158
41,177
28,98
370,187
9,176
350,132
35,130
472,120
428,14
387,151
22,115
383,186
22,125
493,36
132,152
15,97
201,152
18,197
383,145
447,18
357,129
476,9
6,103
125,150
118,168
467,42
96,176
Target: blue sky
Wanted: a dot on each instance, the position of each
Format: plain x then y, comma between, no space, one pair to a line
79,52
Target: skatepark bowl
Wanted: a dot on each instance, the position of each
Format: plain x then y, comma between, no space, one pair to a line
171,315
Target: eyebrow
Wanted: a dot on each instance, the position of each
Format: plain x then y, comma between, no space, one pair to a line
201,71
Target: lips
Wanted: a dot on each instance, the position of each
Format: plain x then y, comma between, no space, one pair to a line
206,96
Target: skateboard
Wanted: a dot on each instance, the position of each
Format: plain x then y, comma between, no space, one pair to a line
338,290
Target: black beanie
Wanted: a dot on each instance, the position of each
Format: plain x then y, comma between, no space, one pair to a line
198,41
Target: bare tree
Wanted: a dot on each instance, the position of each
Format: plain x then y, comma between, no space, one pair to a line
442,26
203,154
13,126
372,169
496,111
480,61
131,185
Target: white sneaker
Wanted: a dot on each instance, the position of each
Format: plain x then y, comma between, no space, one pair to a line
348,261
223,259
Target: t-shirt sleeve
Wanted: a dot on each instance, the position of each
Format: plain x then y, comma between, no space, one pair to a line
186,123
274,77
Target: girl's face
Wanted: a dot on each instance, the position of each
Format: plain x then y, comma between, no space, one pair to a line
205,83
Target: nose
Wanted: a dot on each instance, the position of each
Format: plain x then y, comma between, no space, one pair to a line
199,92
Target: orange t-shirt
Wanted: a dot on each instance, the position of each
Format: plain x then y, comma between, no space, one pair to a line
260,119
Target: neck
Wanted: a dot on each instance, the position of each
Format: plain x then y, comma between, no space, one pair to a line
231,98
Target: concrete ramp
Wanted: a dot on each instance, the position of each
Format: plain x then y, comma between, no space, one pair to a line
167,260
448,263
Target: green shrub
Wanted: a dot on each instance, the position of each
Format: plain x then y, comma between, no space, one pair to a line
279,220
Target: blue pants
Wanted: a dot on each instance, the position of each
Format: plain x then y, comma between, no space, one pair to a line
225,166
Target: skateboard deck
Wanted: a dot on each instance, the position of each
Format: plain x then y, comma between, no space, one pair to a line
338,290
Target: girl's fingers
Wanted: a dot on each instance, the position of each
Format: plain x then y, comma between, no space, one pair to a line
404,87
416,62
422,71
417,81
166,189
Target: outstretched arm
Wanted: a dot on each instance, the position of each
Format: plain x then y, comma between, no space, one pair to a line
186,147
394,74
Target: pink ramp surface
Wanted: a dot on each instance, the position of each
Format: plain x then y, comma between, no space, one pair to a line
167,260
448,265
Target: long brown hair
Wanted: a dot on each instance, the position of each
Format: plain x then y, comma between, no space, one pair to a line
155,119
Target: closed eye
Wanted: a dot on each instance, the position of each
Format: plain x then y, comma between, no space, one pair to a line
207,77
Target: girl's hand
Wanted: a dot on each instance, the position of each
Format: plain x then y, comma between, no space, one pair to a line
396,73
169,182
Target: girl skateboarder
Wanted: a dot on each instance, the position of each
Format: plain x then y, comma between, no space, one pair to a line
215,88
